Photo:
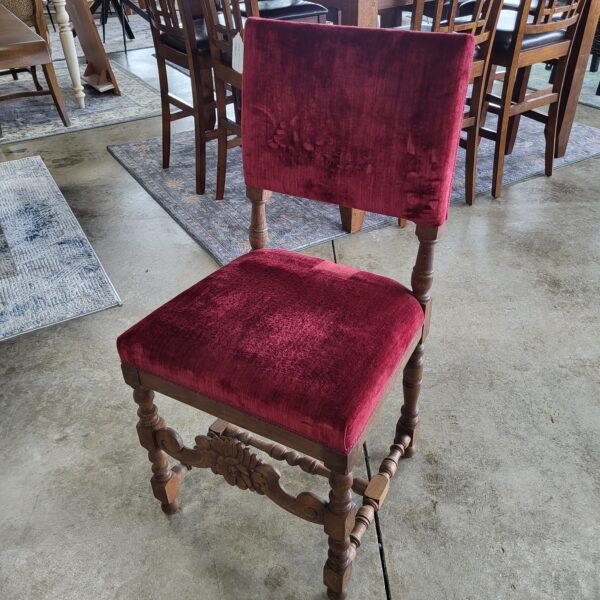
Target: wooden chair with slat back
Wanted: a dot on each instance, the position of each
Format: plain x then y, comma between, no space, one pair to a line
478,18
32,52
224,21
31,12
179,35
294,348
539,31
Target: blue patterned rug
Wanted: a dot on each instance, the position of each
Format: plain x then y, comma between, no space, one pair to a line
35,117
539,77
49,272
221,227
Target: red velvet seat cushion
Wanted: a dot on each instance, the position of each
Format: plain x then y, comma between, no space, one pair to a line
296,341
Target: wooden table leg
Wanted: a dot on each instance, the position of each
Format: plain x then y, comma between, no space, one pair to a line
576,68
68,46
364,14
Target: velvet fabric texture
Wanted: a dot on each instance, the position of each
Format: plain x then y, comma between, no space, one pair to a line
367,118
294,340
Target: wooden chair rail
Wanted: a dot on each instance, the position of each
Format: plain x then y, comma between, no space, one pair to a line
279,452
240,467
377,490
534,28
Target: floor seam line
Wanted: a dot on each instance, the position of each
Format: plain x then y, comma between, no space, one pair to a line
386,581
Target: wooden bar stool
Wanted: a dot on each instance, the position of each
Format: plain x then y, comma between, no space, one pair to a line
478,18
297,349
538,32
180,38
224,21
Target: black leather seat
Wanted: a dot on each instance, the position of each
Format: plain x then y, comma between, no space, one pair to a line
288,10
178,43
506,31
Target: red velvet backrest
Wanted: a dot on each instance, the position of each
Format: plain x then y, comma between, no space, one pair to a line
367,118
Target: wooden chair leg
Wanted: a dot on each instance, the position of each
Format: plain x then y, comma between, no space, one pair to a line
165,481
339,521
502,132
199,127
210,114
221,139
408,424
473,137
551,130
471,164
519,91
36,82
165,111
352,219
56,93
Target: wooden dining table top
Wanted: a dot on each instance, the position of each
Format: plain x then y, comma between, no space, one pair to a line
20,46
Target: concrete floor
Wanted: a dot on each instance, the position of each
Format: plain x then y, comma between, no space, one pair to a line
502,501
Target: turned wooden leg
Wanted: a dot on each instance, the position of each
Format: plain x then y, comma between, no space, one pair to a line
408,424
165,481
339,521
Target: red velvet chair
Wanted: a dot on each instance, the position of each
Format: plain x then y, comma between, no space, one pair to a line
267,342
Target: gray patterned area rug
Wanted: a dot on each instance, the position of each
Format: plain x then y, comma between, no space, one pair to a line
221,227
49,272
35,117
113,38
540,76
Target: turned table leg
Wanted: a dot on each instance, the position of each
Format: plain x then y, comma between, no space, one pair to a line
68,46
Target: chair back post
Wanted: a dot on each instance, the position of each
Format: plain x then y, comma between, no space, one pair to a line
258,232
422,274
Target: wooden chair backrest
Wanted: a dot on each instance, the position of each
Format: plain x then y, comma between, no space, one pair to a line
31,12
164,17
551,15
224,20
478,17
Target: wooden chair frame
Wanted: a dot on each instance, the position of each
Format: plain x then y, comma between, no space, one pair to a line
515,100
38,22
226,449
224,20
20,65
177,19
